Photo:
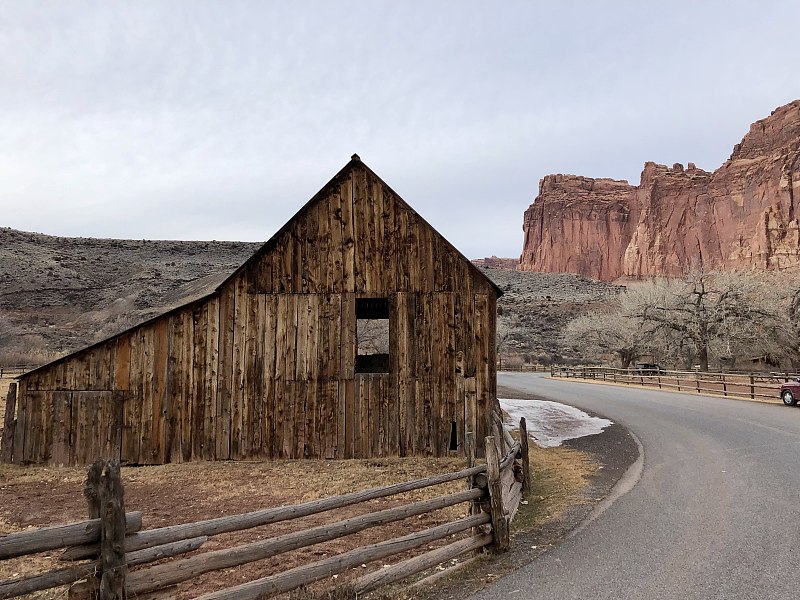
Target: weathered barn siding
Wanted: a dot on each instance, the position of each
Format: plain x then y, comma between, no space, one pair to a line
265,366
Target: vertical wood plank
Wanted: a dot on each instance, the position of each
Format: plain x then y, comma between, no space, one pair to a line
298,424
271,422
347,391
199,352
122,362
310,445
61,427
188,399
348,237
335,250
226,378
211,405
348,336
361,417
359,229
328,404
175,394
145,430
161,410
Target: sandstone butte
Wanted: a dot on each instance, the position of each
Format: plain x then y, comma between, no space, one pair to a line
741,216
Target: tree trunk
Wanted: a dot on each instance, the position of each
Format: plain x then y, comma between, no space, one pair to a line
703,358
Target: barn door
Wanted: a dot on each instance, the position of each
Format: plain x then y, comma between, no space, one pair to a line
96,426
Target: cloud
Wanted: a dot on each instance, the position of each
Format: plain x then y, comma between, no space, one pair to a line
211,119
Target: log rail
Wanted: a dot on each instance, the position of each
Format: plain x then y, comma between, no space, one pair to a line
113,543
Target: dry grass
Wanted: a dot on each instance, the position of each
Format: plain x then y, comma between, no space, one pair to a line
169,494
558,478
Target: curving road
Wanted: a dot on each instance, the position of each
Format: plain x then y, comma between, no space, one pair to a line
715,515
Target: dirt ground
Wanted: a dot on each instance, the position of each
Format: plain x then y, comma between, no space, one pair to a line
172,494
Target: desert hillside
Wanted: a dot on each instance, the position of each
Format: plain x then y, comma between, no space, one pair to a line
59,294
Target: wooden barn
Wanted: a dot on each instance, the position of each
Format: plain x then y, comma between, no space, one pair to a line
356,331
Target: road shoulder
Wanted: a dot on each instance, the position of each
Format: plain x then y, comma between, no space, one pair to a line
613,452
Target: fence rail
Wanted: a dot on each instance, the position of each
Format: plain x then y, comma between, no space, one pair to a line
765,386
114,542
15,371
524,368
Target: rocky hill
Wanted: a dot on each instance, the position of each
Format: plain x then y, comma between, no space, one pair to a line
743,215
535,308
59,294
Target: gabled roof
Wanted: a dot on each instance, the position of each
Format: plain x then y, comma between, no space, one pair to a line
268,246
355,162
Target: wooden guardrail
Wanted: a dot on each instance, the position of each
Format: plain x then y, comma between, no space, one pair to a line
523,368
113,541
741,385
15,371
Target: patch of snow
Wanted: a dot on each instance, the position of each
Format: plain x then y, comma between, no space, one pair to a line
550,423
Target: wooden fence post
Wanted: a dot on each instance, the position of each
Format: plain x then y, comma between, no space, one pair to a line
475,505
9,425
523,448
91,488
112,534
697,381
90,589
724,386
752,387
678,380
104,496
499,521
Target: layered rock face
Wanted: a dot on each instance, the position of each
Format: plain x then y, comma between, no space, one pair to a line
494,262
741,216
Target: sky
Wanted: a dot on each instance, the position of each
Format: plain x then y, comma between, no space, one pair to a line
219,120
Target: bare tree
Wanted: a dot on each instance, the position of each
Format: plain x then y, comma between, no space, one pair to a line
373,336
615,331
692,318
721,312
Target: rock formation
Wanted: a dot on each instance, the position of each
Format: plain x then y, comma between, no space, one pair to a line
494,262
740,216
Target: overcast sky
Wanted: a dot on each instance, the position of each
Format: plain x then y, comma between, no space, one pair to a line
218,120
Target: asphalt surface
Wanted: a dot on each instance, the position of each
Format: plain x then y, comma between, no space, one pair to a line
714,515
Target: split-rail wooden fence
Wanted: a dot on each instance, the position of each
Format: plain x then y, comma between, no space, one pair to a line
114,543
764,386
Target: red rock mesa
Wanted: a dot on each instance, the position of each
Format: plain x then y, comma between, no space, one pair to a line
742,215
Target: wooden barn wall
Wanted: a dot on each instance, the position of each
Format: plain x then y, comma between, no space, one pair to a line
266,368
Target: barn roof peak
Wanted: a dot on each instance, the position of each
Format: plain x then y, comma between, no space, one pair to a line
355,157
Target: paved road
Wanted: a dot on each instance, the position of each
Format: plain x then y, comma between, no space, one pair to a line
715,515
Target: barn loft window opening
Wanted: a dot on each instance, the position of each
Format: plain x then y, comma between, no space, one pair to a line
372,335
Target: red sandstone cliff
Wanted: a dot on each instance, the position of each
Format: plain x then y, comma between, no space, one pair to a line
494,262
740,216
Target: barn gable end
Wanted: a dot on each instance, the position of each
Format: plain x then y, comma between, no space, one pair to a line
265,367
